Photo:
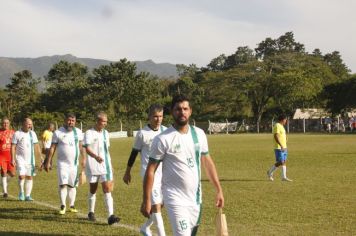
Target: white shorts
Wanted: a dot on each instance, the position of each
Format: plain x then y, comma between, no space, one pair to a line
183,218
67,175
25,169
98,178
156,194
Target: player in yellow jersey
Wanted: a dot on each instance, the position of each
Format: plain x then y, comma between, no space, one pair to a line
280,148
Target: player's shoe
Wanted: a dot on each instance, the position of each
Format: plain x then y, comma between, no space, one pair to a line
145,231
73,209
21,196
286,179
91,216
5,195
62,211
113,219
28,198
270,176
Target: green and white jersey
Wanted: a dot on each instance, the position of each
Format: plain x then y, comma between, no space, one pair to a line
25,141
99,143
143,143
180,155
67,145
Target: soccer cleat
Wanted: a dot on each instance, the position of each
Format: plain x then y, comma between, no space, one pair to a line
286,179
270,176
73,209
113,219
145,231
5,195
28,198
62,211
21,196
91,216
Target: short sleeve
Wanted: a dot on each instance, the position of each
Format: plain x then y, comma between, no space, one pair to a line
87,138
138,141
55,137
34,137
14,138
80,135
204,148
157,150
275,129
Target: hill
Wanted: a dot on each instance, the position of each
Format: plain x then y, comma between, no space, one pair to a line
41,65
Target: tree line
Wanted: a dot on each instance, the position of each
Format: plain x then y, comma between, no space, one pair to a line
279,75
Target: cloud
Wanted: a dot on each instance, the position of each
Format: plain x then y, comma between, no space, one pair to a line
170,31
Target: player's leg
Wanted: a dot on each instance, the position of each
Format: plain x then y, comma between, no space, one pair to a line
3,167
6,174
107,186
284,166
157,202
93,186
72,187
28,187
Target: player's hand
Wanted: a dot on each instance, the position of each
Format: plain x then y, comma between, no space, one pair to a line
146,209
127,178
47,165
99,159
13,163
219,200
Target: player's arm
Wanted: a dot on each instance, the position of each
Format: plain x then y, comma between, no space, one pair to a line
49,156
147,187
212,174
38,153
93,155
130,163
13,154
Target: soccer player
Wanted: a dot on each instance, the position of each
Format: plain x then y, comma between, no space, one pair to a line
98,166
7,168
23,148
280,148
47,139
142,144
182,149
68,141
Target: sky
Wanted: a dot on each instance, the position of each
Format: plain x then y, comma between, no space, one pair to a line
178,32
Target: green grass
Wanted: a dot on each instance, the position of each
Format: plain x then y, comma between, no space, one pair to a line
320,201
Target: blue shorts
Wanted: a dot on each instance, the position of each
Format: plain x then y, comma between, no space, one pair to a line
281,156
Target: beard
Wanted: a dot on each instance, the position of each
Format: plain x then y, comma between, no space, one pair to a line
180,122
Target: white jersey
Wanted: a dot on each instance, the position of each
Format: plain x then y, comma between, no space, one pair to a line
143,142
99,143
67,145
181,161
25,141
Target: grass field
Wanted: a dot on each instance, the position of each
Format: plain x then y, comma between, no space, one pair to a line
320,201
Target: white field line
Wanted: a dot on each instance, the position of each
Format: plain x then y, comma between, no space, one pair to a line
100,220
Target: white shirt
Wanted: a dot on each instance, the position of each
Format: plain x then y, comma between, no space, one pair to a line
67,147
143,142
98,142
25,146
180,167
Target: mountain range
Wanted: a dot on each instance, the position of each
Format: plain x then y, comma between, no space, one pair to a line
41,65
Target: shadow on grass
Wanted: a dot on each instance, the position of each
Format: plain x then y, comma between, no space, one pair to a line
237,180
26,233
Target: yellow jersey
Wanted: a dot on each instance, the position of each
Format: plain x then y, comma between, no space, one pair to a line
279,129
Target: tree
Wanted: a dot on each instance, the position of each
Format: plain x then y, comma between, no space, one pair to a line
337,65
22,95
67,87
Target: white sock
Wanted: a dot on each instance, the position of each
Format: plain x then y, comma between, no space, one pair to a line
72,192
28,187
4,184
273,168
148,223
21,185
91,201
284,171
109,203
63,194
157,218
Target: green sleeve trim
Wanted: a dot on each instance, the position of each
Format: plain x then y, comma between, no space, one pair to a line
205,153
154,160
